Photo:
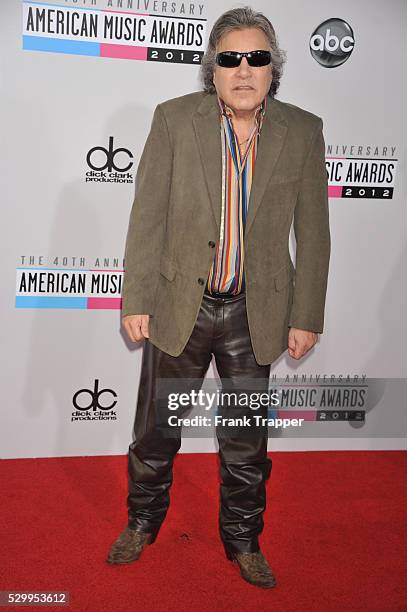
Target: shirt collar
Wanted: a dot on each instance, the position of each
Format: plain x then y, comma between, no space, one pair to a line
259,113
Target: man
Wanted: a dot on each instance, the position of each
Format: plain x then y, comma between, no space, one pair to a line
223,174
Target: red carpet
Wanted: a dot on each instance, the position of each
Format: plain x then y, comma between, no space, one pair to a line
335,535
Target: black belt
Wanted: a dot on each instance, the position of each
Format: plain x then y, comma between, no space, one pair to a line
224,296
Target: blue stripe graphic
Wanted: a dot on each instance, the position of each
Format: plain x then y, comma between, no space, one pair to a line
60,45
38,301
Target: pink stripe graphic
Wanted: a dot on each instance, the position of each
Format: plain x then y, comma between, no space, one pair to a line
307,415
123,51
335,191
104,303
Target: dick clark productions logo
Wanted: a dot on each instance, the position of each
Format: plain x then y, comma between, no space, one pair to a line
89,405
332,42
109,158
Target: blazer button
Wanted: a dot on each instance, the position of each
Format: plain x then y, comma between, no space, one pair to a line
211,243
201,281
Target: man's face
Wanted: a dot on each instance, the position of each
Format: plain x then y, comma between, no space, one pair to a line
243,88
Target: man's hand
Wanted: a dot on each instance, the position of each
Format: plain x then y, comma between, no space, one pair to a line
136,326
300,342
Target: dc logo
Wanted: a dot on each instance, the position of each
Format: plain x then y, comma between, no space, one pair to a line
110,155
93,397
332,42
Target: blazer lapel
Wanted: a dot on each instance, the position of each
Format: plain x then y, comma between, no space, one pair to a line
271,140
206,124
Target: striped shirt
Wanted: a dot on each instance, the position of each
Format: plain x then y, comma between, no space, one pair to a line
227,271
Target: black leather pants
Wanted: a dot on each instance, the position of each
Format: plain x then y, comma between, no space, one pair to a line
221,329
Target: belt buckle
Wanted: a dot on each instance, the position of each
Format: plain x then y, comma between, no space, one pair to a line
222,296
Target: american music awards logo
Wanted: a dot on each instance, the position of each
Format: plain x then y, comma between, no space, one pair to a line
110,31
69,282
361,171
321,398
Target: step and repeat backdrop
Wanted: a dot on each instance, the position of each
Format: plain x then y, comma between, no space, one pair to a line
79,84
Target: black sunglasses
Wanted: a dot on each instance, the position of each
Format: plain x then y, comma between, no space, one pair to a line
232,59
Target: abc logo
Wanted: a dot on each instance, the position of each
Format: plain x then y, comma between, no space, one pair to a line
332,42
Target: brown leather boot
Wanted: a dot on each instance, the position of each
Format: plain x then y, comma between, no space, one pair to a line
129,546
254,568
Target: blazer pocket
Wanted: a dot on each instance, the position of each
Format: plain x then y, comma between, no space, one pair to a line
167,268
283,277
283,178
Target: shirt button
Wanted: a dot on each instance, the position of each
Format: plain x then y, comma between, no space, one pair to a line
201,281
211,243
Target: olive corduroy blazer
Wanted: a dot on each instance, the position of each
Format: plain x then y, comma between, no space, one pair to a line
175,222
